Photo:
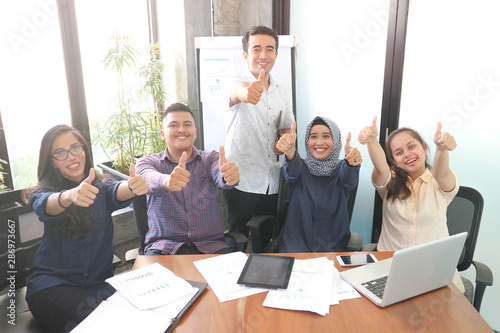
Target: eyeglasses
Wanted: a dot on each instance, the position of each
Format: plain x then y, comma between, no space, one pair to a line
63,154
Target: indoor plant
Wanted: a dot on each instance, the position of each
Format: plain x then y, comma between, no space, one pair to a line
128,134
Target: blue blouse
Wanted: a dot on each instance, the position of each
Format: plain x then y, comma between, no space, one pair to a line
317,219
84,262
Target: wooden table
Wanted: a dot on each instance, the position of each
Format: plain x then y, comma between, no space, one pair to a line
442,310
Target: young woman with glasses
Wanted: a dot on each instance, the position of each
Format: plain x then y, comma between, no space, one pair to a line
75,256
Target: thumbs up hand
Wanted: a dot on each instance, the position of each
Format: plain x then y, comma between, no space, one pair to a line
353,156
255,89
84,194
229,170
287,141
136,184
179,178
369,133
444,140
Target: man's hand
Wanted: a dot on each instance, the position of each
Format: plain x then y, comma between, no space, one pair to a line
369,133
444,140
136,183
287,141
84,194
179,178
229,170
353,156
255,89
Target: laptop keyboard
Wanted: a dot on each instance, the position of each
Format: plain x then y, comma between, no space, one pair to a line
376,286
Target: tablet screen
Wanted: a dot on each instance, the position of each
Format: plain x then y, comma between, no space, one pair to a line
267,271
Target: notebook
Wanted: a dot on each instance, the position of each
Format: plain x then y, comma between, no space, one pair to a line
410,272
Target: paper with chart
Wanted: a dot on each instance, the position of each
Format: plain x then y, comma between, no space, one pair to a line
222,273
309,287
218,75
150,286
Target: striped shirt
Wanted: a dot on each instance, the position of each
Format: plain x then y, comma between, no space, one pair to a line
192,214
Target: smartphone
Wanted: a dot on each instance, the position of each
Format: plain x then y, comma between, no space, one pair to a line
356,259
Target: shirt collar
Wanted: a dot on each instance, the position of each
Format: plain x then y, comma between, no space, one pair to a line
425,177
166,156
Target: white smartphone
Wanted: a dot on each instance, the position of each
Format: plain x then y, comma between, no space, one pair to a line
356,259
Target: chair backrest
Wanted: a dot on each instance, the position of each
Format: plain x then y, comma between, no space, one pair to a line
464,214
13,211
141,217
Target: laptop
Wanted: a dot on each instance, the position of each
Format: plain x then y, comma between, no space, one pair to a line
410,272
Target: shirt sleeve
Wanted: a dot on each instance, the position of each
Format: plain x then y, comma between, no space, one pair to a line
148,168
349,175
382,189
39,202
291,169
111,187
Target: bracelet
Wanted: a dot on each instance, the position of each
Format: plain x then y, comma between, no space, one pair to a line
59,200
291,150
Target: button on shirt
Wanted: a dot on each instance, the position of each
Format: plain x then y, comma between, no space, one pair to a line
192,214
251,131
83,262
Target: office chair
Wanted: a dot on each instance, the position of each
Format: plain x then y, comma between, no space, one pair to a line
141,220
464,214
10,210
265,229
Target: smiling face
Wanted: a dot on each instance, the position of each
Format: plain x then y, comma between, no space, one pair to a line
261,53
408,154
320,142
179,132
73,167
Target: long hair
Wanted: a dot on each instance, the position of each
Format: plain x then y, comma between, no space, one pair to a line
397,187
77,220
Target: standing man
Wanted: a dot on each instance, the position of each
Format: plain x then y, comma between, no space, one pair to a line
260,111
184,214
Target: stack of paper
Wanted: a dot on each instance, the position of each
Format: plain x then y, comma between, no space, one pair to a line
314,286
147,300
222,273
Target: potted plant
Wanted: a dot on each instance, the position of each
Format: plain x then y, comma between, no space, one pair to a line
128,134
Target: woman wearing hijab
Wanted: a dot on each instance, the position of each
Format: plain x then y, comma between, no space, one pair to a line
318,219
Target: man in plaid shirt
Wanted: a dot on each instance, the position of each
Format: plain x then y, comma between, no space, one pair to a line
184,214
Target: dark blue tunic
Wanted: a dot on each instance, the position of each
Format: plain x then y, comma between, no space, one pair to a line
317,219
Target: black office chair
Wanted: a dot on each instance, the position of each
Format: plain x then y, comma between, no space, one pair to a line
265,229
10,210
141,220
464,214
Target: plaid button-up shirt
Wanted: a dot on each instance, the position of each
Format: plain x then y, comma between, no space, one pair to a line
192,214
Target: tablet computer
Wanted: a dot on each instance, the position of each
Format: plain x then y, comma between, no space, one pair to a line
267,271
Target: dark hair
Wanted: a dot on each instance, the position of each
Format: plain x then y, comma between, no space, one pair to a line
258,30
397,188
77,220
176,107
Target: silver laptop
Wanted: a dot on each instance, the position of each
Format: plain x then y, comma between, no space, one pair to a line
410,272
